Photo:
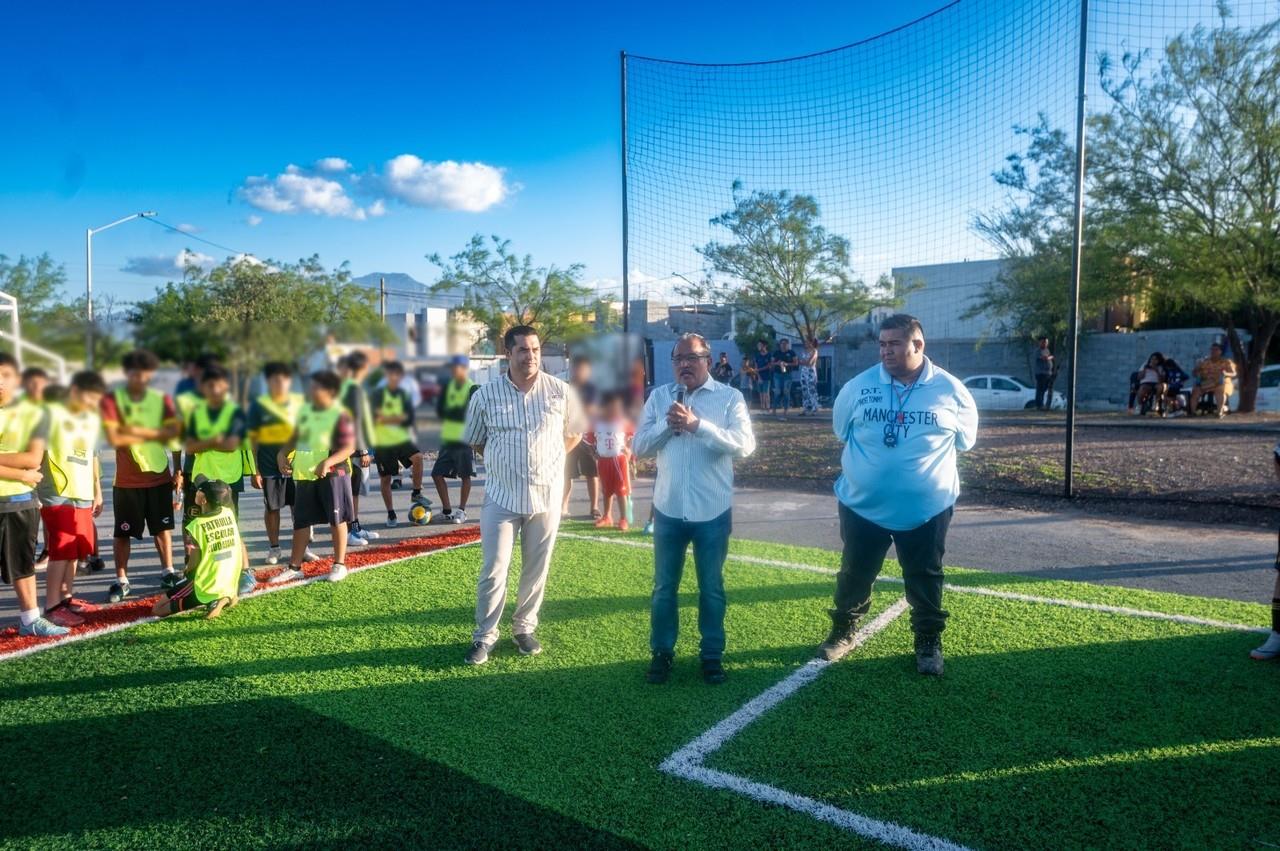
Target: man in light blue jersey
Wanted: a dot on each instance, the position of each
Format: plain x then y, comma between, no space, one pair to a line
902,423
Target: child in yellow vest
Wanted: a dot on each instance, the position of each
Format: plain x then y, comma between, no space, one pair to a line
393,445
71,492
456,459
213,436
216,555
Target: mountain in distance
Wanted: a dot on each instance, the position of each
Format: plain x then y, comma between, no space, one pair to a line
405,293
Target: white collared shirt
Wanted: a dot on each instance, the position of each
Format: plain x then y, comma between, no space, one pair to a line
523,435
695,470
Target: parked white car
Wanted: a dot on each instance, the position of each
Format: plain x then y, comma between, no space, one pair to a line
1006,393
1268,390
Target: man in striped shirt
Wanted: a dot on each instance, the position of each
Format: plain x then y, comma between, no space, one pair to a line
523,423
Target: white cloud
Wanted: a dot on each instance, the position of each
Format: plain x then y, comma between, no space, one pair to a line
188,228
254,220
378,208
332,164
473,187
167,266
296,191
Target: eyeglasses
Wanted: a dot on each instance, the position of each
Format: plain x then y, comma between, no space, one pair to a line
688,360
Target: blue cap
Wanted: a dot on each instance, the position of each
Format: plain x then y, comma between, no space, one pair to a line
459,360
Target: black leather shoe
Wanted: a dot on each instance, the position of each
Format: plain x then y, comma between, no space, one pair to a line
660,668
712,672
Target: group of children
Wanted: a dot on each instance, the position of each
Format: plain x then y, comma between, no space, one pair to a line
190,453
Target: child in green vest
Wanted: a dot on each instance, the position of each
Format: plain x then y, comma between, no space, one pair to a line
352,371
214,432
317,457
456,458
71,492
393,445
216,555
24,432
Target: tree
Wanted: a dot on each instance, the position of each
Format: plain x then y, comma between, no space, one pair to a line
1188,167
501,290
783,266
1034,234
48,318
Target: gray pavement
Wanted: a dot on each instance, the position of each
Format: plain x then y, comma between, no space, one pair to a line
1222,561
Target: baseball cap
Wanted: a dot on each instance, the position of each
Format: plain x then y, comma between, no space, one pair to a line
459,360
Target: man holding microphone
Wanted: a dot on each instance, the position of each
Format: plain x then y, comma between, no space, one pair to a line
696,427
902,423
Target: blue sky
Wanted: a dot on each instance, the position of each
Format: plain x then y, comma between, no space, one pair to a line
124,107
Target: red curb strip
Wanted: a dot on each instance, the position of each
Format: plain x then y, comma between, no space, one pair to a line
130,613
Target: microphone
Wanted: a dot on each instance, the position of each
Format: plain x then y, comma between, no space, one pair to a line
679,401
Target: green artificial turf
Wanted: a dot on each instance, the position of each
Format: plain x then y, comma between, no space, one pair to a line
341,716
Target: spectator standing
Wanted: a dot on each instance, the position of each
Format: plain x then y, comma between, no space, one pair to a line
1216,375
902,423
723,370
523,423
609,439
785,360
696,427
809,378
1044,372
581,461
764,375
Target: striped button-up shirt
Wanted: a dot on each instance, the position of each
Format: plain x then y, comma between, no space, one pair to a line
523,436
695,471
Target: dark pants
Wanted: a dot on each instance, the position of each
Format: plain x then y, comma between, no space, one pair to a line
1044,393
671,539
920,553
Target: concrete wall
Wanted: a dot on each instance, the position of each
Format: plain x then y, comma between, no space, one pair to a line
945,291
1106,360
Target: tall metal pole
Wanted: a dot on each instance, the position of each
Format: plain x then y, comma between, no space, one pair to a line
382,298
626,285
1073,308
88,298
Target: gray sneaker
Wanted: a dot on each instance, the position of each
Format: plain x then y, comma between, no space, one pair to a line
527,644
42,628
479,653
1269,649
929,655
839,640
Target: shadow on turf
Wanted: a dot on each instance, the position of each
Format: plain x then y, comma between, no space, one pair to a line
263,773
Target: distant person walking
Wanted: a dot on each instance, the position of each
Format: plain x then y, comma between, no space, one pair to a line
1044,373
902,423
696,427
809,378
523,424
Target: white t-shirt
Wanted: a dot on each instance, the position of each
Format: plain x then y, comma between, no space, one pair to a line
611,437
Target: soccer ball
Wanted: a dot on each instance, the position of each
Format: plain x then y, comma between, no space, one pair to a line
420,512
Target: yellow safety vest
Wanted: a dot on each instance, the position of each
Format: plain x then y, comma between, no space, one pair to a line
73,441
314,434
286,414
390,435
151,456
217,536
214,463
186,403
17,422
455,397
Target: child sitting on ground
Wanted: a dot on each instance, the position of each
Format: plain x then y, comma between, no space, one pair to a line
216,555
610,437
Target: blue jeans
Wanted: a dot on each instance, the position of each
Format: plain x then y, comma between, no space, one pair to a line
781,394
671,539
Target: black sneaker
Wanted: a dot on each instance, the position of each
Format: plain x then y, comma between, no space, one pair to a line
660,668
712,672
118,591
839,640
396,484
929,655
95,563
169,581
479,653
527,644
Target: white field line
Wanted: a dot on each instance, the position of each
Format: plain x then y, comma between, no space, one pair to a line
270,589
1190,620
688,762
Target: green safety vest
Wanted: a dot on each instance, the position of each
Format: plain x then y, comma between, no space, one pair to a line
73,442
214,463
151,456
17,422
390,435
217,573
314,434
455,397
186,402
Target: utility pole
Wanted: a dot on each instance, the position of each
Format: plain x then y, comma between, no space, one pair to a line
1073,307
382,298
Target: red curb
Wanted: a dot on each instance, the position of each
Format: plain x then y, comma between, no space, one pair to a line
129,611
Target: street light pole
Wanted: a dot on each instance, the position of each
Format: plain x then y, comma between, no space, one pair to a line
88,281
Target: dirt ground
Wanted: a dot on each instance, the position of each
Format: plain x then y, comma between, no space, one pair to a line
1197,471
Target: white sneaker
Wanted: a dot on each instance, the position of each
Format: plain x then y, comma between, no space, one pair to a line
392,521
354,540
337,573
289,574
309,556
1270,649
273,555
367,535
458,516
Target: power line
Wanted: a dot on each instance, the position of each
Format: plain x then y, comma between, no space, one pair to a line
190,235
